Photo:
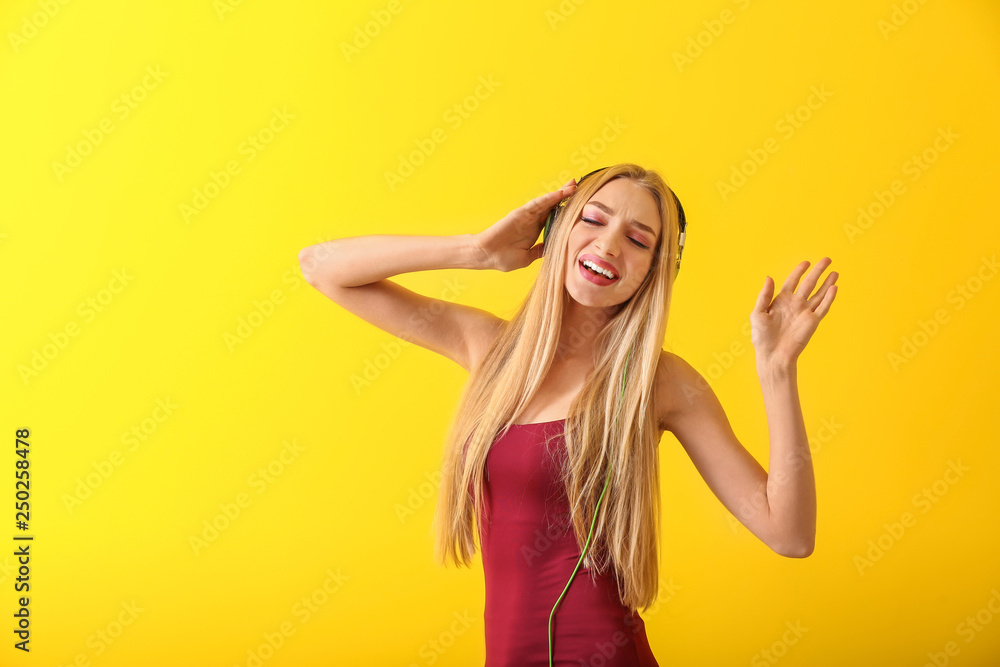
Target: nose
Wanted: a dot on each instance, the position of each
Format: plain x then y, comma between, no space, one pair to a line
608,241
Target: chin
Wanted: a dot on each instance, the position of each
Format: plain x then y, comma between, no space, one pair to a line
592,302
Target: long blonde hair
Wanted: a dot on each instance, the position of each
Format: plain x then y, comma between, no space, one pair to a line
626,535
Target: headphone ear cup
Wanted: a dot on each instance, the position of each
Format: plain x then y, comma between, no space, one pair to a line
549,221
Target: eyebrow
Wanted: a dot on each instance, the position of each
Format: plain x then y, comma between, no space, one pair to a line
607,209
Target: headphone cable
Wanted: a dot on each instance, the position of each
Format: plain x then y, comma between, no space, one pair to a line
594,521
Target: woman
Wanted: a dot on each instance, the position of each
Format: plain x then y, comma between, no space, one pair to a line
553,453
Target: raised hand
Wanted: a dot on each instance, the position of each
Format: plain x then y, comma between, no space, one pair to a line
781,327
509,243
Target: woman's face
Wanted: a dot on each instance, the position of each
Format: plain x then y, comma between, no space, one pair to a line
619,229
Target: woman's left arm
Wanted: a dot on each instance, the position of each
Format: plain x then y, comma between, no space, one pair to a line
780,328
778,506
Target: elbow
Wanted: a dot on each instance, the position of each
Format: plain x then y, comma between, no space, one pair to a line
303,262
319,264
307,264
801,548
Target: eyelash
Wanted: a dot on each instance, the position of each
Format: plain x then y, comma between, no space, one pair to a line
594,222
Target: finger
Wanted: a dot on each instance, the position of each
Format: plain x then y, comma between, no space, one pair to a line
544,203
793,277
824,305
817,298
764,297
536,252
810,282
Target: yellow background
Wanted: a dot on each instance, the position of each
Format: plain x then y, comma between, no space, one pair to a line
562,74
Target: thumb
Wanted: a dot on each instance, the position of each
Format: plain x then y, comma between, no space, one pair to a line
764,297
536,252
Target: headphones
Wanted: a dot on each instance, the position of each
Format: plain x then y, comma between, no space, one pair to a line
554,213
680,249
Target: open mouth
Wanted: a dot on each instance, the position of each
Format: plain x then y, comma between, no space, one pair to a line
596,274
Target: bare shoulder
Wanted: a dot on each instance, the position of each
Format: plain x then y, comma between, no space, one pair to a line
677,382
484,327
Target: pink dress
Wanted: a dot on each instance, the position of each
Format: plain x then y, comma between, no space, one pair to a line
529,553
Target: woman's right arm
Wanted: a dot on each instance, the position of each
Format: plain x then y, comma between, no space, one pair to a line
353,272
360,260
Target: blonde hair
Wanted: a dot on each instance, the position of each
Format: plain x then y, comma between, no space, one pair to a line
626,535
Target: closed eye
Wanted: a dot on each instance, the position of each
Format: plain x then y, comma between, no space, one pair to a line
595,223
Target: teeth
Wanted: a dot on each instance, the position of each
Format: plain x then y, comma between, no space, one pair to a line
604,272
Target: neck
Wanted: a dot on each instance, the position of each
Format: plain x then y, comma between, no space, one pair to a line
580,326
